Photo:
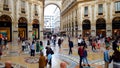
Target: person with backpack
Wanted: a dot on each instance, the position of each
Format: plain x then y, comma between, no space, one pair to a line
80,53
70,46
85,61
49,53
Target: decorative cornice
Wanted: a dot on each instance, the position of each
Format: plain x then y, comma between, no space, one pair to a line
116,14
86,18
22,15
6,12
100,16
36,17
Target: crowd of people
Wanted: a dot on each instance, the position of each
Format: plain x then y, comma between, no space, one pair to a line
96,43
3,43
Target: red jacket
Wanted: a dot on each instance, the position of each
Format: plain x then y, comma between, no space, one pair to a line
80,51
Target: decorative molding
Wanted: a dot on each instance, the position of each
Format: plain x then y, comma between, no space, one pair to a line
6,12
15,31
116,14
22,15
100,16
87,17
36,17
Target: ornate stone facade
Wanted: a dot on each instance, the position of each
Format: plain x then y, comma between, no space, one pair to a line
74,15
15,12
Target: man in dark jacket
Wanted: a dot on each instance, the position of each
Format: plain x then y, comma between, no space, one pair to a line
115,43
70,46
80,53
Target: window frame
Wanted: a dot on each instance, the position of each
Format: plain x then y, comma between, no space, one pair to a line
100,9
117,7
86,11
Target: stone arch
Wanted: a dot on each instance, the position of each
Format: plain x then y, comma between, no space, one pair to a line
35,21
100,21
86,21
57,3
101,26
35,29
6,26
22,20
116,26
116,20
5,18
23,28
86,26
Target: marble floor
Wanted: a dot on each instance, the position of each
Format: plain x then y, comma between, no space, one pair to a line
23,60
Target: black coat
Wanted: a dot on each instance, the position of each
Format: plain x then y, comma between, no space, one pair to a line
70,44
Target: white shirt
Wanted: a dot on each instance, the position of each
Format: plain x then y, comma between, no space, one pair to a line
80,40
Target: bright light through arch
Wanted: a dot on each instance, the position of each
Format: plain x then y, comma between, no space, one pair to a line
52,18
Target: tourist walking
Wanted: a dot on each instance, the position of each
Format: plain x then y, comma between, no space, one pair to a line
59,42
85,60
93,46
37,47
49,53
5,42
32,47
107,57
80,53
23,45
42,61
0,52
48,42
41,46
70,46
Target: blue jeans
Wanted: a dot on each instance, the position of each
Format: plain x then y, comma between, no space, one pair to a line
81,58
85,61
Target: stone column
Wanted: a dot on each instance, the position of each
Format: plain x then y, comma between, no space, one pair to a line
30,31
15,25
14,33
79,20
108,23
41,22
93,26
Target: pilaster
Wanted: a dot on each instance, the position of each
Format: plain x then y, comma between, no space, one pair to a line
108,23
93,26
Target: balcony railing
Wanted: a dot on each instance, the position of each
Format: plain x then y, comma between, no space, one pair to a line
5,7
23,10
36,14
117,11
100,13
86,15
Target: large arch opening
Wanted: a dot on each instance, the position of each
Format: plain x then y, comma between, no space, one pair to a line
116,26
101,27
6,27
86,27
35,25
51,19
22,28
